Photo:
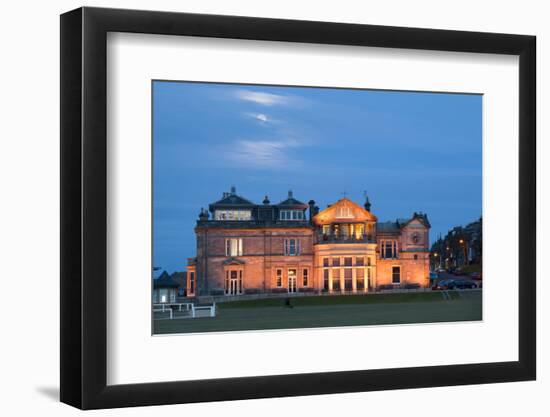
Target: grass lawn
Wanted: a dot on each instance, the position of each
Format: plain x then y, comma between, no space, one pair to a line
350,310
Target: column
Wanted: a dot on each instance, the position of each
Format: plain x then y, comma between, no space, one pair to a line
366,279
342,279
330,280
354,280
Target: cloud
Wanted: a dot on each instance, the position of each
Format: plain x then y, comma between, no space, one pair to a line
263,153
265,99
261,117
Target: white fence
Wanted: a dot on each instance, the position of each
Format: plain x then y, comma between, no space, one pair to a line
189,310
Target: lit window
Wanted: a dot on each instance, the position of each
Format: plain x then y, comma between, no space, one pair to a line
233,247
292,247
344,212
279,277
359,231
305,277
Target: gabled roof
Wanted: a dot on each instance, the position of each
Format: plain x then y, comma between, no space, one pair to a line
397,225
233,200
421,217
292,202
165,281
334,213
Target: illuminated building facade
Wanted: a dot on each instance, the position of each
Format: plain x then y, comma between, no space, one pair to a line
292,247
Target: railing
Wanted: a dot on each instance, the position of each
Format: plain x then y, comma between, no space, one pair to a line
322,238
211,310
193,310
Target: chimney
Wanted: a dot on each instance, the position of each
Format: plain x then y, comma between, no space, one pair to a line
289,193
233,190
311,205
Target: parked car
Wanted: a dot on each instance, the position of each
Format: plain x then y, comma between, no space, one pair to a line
460,284
475,275
433,275
453,284
411,286
439,270
442,285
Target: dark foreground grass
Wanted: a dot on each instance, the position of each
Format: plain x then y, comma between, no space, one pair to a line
335,311
336,300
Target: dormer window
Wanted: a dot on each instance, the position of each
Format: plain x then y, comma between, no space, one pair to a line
291,215
344,212
233,215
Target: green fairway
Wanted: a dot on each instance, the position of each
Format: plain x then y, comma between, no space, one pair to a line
350,310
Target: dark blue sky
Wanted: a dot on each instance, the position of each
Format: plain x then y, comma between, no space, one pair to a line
409,151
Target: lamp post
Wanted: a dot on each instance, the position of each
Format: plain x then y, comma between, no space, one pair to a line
464,250
435,256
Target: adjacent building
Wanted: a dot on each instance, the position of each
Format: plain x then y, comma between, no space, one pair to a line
292,247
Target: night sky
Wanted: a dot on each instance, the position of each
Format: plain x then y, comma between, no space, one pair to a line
409,151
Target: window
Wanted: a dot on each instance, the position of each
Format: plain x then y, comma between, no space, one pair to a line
344,212
388,249
291,215
395,274
336,279
348,261
233,247
232,215
191,282
279,277
360,275
348,279
326,229
345,231
415,257
360,261
368,261
292,247
305,277
325,262
335,261
325,279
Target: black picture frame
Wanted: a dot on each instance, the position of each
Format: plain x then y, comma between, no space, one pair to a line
84,207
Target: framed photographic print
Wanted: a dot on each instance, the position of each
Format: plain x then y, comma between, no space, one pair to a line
258,207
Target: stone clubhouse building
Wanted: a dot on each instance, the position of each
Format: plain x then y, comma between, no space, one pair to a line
292,247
